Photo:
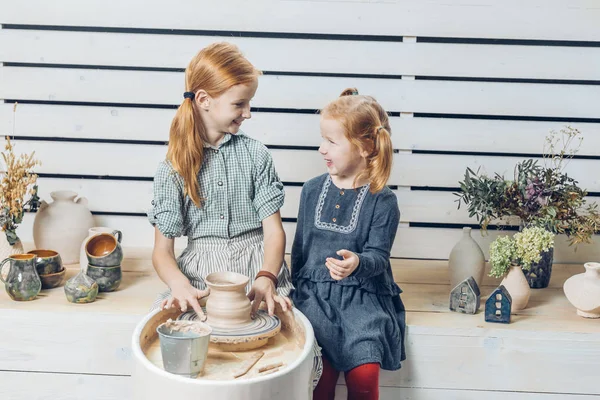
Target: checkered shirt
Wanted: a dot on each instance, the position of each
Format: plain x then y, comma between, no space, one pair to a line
238,184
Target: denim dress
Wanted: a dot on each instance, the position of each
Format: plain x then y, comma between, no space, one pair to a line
361,318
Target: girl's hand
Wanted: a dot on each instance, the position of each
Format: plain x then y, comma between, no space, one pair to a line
340,269
264,289
184,295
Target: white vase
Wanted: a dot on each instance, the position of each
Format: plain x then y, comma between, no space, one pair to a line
583,291
7,250
516,284
83,260
466,259
62,225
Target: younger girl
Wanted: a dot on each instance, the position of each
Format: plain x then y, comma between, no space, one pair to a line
341,270
219,188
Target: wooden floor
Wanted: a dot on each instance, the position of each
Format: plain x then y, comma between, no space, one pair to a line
50,348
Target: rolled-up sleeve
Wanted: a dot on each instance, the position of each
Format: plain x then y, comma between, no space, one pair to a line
166,211
269,193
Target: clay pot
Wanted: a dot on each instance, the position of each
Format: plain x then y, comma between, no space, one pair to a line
81,289
50,281
47,261
107,278
583,291
518,288
466,259
104,250
83,260
63,224
227,305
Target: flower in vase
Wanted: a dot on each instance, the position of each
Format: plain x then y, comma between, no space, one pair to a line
524,248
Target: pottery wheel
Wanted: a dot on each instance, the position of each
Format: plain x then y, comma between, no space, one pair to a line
246,337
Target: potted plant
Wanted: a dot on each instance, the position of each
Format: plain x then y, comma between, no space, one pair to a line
511,256
538,195
18,182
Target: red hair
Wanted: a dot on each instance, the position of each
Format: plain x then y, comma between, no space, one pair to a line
215,69
367,127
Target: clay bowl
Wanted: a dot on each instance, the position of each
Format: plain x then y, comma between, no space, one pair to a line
103,250
50,281
108,278
47,261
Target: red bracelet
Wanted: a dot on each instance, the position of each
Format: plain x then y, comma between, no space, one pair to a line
267,274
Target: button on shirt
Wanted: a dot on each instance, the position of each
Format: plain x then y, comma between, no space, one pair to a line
239,187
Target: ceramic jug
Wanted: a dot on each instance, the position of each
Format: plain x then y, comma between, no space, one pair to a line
23,282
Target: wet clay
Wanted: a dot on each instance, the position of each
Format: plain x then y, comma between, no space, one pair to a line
186,326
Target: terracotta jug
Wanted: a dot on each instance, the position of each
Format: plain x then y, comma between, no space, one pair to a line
518,288
583,291
23,282
227,305
63,224
466,259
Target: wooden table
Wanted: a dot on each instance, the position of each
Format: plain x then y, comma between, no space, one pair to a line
50,348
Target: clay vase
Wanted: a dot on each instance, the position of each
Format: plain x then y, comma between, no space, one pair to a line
83,261
540,273
227,305
7,250
22,282
466,259
62,225
517,287
583,291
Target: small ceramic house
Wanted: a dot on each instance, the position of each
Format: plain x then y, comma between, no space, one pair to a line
465,297
497,306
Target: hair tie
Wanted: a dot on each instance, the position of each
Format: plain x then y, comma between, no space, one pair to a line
379,129
354,93
189,95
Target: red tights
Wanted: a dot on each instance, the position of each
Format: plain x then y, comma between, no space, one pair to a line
362,382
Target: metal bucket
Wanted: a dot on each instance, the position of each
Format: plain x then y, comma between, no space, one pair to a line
184,353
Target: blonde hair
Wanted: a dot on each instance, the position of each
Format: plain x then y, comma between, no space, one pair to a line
367,127
215,69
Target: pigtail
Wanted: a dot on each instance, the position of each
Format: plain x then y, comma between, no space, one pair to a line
185,149
379,164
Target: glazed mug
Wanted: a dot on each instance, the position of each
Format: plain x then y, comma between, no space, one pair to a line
104,250
83,260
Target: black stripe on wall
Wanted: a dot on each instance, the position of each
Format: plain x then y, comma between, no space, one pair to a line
313,36
198,32
508,42
316,74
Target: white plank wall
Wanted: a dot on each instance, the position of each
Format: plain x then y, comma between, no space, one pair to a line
468,84
554,19
74,100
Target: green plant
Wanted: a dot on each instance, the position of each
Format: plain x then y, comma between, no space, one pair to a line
538,195
524,248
